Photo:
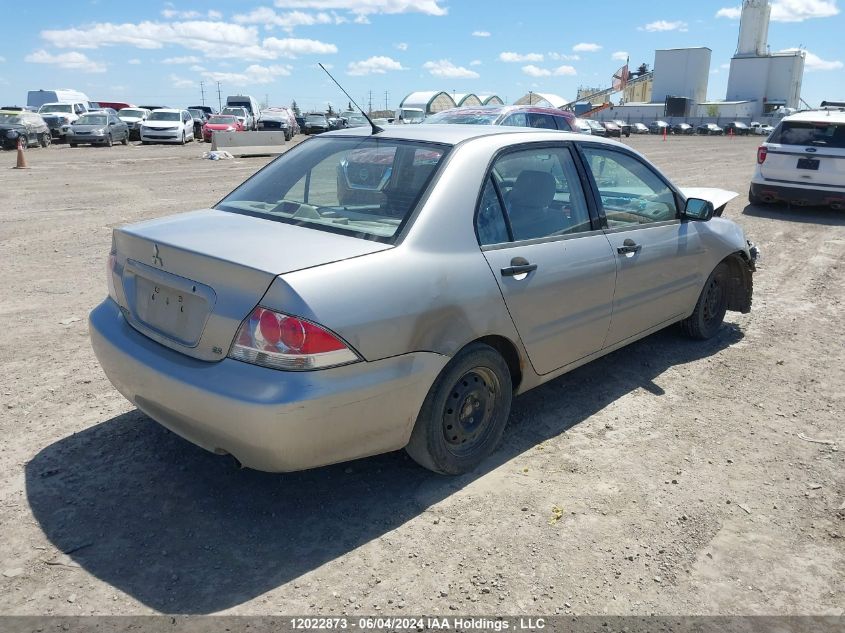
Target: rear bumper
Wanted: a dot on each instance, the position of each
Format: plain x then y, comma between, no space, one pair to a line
802,195
269,420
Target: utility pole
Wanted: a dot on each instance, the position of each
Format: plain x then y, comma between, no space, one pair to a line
386,99
202,91
370,107
219,97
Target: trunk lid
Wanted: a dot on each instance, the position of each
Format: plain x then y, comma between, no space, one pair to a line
188,281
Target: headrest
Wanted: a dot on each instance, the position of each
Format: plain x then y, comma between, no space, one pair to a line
533,189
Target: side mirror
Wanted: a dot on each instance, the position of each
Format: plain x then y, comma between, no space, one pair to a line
698,209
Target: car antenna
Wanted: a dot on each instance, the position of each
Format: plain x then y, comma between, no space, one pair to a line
376,128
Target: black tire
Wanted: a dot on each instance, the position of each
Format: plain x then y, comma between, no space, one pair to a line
46,139
449,438
109,141
125,139
183,138
145,142
73,144
711,306
753,198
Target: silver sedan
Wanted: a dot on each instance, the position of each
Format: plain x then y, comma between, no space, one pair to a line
367,292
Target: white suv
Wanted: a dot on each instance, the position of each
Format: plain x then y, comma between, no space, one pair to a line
803,161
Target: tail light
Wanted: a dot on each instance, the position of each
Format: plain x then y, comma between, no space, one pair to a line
276,340
110,265
762,152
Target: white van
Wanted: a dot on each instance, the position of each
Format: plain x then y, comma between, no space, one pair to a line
37,98
803,161
251,105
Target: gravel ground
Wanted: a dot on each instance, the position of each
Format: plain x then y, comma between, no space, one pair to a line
670,477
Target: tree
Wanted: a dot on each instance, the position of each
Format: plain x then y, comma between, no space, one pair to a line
295,108
330,110
349,106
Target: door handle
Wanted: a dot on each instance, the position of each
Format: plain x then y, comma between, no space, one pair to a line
519,266
629,246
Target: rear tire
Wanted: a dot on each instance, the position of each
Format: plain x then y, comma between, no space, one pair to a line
711,306
73,144
464,414
109,141
46,139
125,140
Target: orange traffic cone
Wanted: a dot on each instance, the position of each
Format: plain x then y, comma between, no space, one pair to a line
731,133
21,158
664,133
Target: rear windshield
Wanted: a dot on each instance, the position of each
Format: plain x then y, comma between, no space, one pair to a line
465,118
819,133
218,119
364,187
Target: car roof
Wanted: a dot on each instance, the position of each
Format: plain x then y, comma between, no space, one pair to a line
454,134
832,115
177,110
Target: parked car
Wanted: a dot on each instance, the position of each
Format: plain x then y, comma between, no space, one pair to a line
155,107
738,127
683,129
625,127
242,113
803,161
709,129
291,331
28,128
639,128
581,126
517,116
59,116
658,127
133,117
250,104
300,121
760,129
98,128
168,126
220,123
278,119
612,129
199,118
106,110
596,128
207,109
316,123
117,106
357,120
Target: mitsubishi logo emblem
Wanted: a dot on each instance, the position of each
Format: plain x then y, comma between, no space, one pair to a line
156,258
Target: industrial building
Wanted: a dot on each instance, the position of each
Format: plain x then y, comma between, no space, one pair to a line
433,101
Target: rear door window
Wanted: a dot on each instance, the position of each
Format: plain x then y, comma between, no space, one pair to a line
818,134
563,124
544,121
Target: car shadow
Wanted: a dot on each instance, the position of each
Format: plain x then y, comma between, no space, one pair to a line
185,531
824,216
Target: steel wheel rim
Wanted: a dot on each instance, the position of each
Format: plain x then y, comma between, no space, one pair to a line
713,301
470,410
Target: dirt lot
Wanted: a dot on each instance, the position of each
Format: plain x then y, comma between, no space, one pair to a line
700,478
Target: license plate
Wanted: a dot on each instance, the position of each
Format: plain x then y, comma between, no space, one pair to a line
171,311
808,163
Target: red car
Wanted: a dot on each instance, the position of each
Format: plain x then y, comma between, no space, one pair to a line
220,123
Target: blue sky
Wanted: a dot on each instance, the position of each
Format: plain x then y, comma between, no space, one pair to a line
158,52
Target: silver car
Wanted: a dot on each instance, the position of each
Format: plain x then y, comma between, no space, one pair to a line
98,128
473,263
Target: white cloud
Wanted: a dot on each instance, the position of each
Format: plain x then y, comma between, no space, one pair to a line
180,82
72,60
563,56
291,47
800,10
402,46
813,62
664,25
481,33
368,7
520,57
253,74
376,65
288,21
732,13
445,68
2,60
620,56
586,47
134,61
475,62
535,71
171,14
187,59
565,70
216,40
